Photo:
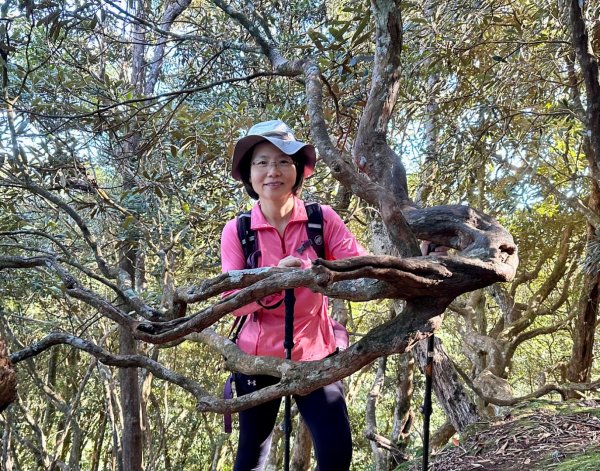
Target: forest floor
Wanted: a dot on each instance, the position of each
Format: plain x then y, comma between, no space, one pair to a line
537,436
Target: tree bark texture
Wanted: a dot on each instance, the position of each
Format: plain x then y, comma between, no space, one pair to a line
275,458
457,406
8,379
580,364
301,450
7,459
583,337
591,78
98,439
380,456
111,406
132,437
441,436
403,412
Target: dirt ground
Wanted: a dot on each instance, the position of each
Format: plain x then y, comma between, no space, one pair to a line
542,435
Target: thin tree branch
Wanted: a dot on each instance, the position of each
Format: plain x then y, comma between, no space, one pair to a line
182,37
186,91
562,389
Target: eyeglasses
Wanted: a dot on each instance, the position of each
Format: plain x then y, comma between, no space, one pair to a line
282,164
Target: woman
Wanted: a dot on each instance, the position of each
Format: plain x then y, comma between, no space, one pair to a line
272,165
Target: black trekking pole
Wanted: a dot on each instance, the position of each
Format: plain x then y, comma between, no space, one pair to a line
288,344
427,401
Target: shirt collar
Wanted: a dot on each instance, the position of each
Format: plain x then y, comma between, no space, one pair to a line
259,221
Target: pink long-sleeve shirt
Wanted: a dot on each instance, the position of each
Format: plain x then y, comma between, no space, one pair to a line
263,331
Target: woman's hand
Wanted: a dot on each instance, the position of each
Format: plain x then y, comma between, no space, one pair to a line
290,262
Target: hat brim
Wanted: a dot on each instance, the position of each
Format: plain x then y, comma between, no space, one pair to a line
287,147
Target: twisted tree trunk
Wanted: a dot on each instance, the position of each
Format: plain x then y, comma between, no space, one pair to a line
579,368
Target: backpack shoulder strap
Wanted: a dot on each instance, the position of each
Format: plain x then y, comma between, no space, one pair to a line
314,228
249,244
246,235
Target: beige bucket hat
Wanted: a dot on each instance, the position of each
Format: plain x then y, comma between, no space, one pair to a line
280,135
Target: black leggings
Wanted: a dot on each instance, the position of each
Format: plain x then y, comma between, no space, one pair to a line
323,410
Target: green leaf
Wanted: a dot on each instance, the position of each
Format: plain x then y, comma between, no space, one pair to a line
359,29
128,221
317,39
336,33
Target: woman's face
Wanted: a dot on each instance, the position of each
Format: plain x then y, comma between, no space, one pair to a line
272,173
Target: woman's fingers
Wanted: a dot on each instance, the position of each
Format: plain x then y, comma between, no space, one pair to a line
290,262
